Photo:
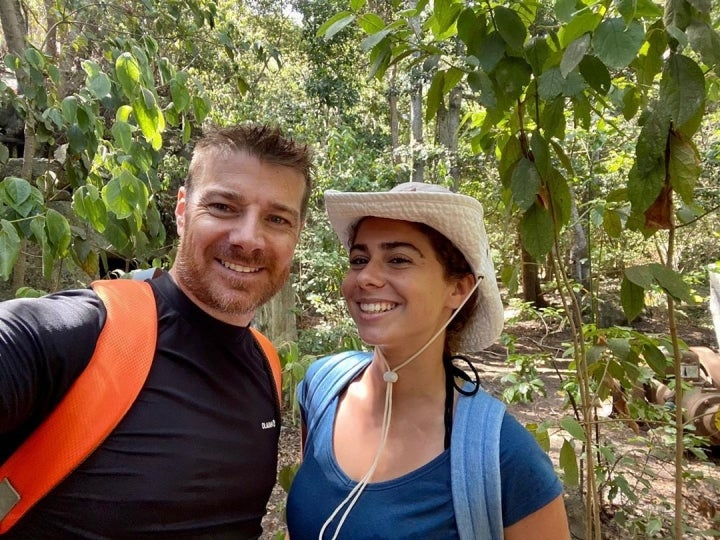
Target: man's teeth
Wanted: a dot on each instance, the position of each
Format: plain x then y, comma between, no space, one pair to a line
378,307
238,268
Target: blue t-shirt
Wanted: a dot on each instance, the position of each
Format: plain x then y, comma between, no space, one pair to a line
418,504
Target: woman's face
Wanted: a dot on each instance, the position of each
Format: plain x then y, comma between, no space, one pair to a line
396,289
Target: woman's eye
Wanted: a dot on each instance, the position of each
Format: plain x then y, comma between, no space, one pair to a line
357,261
400,260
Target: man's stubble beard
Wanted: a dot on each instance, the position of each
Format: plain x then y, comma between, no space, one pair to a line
241,301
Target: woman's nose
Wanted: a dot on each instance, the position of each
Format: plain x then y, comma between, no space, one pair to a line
371,275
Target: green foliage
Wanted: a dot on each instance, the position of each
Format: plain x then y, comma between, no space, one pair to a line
109,132
523,383
294,365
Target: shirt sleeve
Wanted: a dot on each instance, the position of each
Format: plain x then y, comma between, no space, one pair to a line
45,343
528,478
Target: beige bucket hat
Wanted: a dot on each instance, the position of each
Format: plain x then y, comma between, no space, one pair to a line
458,217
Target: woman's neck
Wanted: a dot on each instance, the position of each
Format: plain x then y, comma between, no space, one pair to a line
424,375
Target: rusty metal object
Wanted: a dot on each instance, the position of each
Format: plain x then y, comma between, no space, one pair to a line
702,409
710,362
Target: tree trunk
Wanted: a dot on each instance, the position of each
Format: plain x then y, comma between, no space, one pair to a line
13,28
579,255
417,142
276,319
448,126
531,281
394,117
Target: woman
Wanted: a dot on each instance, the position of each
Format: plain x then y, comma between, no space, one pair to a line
397,444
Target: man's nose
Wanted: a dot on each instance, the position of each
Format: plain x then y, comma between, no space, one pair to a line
248,232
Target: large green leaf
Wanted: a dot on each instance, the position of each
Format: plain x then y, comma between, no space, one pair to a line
125,195
88,205
373,39
445,15
684,168
122,133
128,72
574,54
471,30
16,193
511,27
69,108
97,82
480,83
573,427
641,276
434,95
525,184
335,23
617,44
706,41
649,61
9,248
512,75
370,23
655,358
150,118
550,84
582,23
595,74
560,195
682,93
537,231
632,298
180,93
568,463
58,234
672,282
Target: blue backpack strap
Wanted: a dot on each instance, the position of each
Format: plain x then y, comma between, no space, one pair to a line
475,465
324,380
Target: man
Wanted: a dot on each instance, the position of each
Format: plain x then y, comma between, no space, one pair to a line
196,455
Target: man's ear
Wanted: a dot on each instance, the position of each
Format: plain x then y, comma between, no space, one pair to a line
463,286
180,207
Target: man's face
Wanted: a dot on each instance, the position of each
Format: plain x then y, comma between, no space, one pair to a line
238,229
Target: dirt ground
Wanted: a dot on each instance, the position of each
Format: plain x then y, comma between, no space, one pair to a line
644,461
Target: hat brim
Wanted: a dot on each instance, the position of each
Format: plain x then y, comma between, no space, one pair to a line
459,218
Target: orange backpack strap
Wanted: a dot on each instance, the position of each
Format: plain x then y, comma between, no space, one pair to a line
272,356
94,404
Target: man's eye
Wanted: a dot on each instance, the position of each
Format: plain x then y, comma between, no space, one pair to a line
279,220
219,208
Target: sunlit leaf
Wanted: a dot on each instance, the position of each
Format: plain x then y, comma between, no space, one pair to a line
574,53
335,23
9,248
617,44
128,73
573,427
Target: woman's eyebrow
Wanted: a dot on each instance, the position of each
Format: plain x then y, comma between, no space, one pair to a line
387,246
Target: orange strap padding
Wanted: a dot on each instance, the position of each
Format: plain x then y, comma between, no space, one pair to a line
272,356
94,404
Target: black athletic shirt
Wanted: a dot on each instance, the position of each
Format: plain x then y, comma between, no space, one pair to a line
196,455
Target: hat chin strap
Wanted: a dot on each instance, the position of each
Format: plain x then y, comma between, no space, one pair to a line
390,376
